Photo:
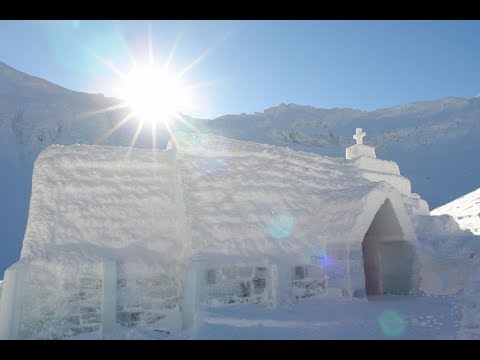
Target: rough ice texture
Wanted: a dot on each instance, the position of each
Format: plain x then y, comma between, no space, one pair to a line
445,254
96,202
246,199
360,150
400,183
380,170
471,306
374,164
465,210
208,196
91,204
415,205
100,202
234,190
217,196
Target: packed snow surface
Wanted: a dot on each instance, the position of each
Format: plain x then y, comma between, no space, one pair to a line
383,318
465,210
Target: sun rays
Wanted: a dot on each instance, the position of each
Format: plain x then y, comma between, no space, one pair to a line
153,95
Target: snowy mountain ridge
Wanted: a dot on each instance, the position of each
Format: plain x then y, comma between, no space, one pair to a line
425,138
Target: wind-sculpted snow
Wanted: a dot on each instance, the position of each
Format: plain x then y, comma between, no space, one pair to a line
445,254
237,193
465,210
88,198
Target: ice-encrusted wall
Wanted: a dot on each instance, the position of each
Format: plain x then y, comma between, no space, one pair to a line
471,308
245,198
93,204
101,201
58,300
70,300
251,200
150,212
444,254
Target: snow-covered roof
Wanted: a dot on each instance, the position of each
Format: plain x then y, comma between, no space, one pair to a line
207,195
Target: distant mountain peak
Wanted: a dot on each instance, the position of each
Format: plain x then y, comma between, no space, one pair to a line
10,70
13,81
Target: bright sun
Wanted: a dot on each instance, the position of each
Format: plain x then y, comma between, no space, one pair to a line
154,94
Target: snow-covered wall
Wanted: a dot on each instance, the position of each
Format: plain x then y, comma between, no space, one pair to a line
360,150
252,200
445,254
374,164
90,204
94,202
416,205
470,327
152,211
248,199
209,195
402,184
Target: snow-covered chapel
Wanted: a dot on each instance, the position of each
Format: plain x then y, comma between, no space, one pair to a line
127,236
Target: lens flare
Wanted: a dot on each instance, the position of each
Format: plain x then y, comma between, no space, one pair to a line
392,323
154,94
280,225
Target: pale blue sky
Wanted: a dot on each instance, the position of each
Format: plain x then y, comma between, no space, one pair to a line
252,65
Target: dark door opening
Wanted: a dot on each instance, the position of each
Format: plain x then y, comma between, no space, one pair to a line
387,257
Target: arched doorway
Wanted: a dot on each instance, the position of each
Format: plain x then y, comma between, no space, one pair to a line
387,257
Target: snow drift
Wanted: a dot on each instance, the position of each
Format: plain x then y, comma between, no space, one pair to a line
465,210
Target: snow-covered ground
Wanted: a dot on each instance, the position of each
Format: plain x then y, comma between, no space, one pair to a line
385,317
465,210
